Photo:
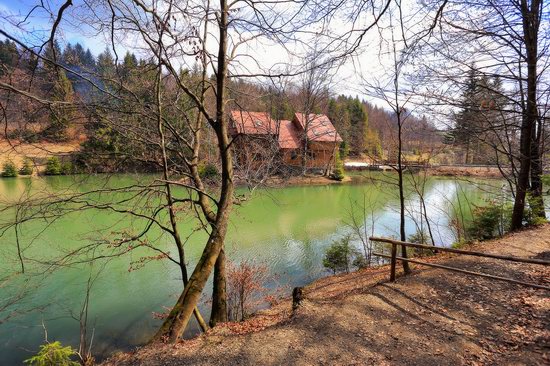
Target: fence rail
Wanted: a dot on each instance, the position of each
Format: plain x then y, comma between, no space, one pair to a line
394,258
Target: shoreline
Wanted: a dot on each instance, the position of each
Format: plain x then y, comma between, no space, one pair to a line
330,303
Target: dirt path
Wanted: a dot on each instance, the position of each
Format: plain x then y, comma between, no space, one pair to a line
432,317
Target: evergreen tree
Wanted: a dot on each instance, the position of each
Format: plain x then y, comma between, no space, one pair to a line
129,66
106,63
61,116
9,55
70,57
88,60
79,53
54,54
464,130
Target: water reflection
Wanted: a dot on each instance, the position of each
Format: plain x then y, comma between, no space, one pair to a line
288,229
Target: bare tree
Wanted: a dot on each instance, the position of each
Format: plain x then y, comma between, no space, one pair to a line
162,115
505,40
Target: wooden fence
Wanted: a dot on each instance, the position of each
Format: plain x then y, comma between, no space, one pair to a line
394,258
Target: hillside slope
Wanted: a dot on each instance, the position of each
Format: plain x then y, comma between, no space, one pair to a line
432,317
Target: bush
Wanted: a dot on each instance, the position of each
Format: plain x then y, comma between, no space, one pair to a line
67,168
53,166
208,171
534,212
489,221
246,288
420,237
338,173
27,167
53,354
9,169
341,255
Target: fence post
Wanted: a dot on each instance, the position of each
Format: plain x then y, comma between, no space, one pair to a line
393,261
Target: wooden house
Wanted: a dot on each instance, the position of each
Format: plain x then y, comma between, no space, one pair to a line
257,137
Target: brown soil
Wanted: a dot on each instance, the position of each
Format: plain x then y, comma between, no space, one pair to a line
432,317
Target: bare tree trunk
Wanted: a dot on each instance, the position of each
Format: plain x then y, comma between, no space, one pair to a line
176,322
169,198
531,24
401,190
537,201
219,292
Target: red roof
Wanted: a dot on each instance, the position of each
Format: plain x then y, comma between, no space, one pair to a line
288,135
255,123
319,127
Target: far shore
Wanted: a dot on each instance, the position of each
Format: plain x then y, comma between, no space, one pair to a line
40,152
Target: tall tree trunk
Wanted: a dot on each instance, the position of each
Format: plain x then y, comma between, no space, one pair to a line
219,292
531,24
467,157
537,200
170,201
176,322
402,233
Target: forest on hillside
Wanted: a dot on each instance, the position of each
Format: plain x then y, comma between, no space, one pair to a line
368,131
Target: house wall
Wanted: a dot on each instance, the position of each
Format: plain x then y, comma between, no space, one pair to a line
320,154
253,151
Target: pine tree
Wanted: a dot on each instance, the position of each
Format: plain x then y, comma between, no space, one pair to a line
9,55
464,129
129,66
106,63
61,116
54,54
88,60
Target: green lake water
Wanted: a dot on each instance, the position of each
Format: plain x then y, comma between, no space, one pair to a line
287,229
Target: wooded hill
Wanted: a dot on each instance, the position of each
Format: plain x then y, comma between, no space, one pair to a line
368,131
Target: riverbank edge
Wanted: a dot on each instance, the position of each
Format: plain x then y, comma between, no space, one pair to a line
337,286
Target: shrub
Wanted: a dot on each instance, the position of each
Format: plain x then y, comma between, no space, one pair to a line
459,244
246,288
53,354
338,173
420,237
66,168
489,221
208,171
26,169
9,169
341,255
534,212
53,166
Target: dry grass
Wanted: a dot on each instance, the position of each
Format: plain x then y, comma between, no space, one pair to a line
37,152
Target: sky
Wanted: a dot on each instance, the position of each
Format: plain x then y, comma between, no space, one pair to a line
368,66
40,22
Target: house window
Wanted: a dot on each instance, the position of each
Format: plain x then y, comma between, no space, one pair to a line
293,155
